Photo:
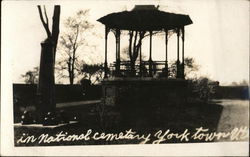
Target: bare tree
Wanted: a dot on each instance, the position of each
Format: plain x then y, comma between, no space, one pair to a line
46,83
135,41
71,40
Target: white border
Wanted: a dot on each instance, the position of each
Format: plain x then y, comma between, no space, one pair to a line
7,135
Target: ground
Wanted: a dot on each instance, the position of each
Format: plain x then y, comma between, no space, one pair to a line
218,116
235,114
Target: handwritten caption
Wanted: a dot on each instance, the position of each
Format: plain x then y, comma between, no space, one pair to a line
160,136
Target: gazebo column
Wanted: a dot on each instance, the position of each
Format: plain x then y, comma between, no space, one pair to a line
118,60
178,55
150,54
166,61
140,61
106,53
183,59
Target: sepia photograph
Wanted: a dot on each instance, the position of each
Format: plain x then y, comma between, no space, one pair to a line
124,74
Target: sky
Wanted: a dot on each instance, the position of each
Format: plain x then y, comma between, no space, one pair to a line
218,39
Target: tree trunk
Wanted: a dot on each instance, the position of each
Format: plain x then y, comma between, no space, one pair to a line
55,27
71,78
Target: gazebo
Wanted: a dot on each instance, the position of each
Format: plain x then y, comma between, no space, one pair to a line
145,18
133,86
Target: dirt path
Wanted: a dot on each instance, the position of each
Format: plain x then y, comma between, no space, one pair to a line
235,113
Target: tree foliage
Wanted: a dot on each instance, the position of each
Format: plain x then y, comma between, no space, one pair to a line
31,76
93,72
125,54
240,83
199,88
191,68
202,89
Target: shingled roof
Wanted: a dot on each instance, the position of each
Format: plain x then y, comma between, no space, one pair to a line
145,17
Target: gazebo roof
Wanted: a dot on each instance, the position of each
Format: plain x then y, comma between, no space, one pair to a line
145,18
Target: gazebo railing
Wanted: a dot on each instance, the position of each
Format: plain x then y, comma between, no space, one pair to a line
143,69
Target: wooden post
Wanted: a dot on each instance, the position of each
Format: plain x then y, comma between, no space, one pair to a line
178,54
106,51
166,61
117,66
140,62
183,58
150,54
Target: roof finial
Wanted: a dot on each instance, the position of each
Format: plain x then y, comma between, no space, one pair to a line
144,7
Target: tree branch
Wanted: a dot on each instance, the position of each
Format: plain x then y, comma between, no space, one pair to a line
153,33
45,14
45,25
130,44
142,33
134,47
74,44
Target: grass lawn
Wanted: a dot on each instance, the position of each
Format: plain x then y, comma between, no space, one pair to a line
190,117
